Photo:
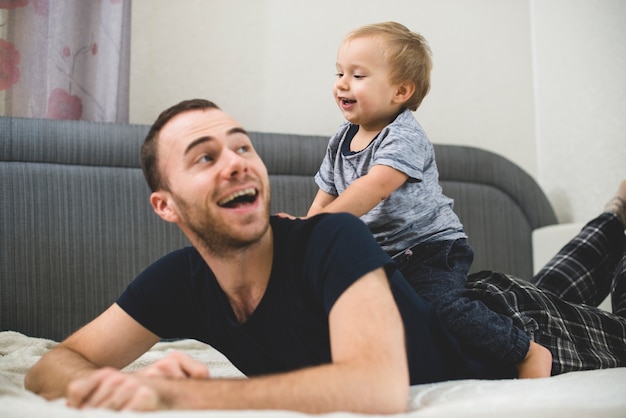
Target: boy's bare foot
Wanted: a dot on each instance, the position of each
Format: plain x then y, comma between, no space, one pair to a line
538,362
617,204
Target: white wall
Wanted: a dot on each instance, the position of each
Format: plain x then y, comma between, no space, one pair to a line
580,50
270,63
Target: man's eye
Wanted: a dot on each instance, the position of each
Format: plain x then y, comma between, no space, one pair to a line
205,159
243,149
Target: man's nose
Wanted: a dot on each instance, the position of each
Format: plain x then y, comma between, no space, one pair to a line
235,164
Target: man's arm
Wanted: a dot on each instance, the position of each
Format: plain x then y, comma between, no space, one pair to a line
368,374
112,339
363,194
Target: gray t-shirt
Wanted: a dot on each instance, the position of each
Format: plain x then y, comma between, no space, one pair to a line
417,211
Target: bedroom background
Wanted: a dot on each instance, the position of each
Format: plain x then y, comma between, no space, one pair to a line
538,81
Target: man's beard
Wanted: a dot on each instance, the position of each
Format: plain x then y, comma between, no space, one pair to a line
214,235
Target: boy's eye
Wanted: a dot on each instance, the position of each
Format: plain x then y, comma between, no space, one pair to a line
339,75
359,76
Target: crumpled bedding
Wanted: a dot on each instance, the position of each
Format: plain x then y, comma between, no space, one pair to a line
595,393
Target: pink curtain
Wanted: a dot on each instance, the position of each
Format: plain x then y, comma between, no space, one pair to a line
65,59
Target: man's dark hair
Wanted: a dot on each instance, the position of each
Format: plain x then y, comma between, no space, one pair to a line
149,157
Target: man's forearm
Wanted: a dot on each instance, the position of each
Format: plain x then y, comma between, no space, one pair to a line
368,388
51,375
319,389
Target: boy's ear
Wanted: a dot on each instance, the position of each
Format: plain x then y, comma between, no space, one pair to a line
162,205
404,91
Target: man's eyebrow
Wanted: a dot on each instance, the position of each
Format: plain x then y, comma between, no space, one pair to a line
197,142
238,130
203,139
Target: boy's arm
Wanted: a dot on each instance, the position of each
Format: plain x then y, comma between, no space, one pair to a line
368,373
322,199
363,194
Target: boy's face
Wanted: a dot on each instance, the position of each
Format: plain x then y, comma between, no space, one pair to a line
363,89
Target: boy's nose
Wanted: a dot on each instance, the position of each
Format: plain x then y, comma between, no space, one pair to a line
340,83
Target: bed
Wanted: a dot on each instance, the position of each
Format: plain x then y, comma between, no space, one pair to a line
595,393
63,259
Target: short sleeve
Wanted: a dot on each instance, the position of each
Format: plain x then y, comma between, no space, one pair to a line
159,298
342,250
405,148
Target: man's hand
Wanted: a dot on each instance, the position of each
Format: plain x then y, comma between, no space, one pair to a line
538,362
113,389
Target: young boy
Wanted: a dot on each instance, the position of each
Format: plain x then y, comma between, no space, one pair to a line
381,167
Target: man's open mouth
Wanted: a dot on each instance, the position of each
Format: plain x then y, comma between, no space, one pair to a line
240,197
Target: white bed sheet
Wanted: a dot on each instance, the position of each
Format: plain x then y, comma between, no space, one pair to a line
596,393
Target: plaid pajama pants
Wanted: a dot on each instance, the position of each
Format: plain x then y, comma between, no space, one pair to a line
557,309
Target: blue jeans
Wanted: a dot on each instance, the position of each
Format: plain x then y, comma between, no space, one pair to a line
438,271
437,267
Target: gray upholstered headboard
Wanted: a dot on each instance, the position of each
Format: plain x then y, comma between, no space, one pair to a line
499,205
76,225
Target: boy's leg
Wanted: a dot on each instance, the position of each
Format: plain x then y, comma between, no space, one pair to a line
583,270
436,268
437,271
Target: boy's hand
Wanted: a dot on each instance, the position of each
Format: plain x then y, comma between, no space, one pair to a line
288,216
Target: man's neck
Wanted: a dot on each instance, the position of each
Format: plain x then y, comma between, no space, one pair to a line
244,274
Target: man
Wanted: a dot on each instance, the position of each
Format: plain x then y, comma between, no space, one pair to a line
312,311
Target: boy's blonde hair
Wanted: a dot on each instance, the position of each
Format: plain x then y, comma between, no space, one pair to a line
407,54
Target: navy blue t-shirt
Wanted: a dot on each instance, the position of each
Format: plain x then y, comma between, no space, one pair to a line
315,261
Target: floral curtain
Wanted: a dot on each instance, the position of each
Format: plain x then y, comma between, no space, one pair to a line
65,59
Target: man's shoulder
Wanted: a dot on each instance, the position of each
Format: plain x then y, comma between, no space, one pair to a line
177,261
323,234
322,223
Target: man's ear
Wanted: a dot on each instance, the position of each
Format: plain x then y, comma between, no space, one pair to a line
404,91
162,205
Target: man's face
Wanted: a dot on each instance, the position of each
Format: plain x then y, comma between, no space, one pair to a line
218,187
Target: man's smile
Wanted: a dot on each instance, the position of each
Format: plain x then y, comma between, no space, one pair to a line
239,197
